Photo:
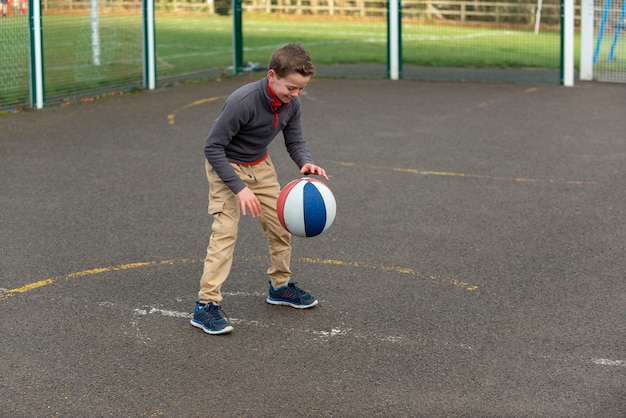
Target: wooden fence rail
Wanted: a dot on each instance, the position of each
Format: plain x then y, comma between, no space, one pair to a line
461,11
430,10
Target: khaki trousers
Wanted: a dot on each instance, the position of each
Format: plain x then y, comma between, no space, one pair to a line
224,206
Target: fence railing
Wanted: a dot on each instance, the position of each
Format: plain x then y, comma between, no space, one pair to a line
429,10
462,11
194,38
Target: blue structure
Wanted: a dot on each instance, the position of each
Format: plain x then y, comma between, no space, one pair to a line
618,27
621,24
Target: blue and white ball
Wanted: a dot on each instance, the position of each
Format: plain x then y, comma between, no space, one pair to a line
306,207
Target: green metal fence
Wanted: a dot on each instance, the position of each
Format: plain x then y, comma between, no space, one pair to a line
609,58
14,60
95,46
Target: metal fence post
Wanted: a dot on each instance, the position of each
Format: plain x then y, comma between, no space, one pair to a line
394,39
237,37
149,56
586,40
567,43
36,55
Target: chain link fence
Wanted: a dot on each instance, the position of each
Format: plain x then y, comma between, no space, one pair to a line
94,46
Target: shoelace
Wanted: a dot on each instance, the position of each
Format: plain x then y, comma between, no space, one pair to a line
299,292
215,311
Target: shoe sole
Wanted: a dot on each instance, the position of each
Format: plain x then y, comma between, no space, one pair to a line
210,331
287,303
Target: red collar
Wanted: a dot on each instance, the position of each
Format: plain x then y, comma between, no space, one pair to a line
276,103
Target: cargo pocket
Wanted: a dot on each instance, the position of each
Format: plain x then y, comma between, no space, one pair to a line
215,207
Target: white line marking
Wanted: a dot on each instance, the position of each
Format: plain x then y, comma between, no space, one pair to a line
321,335
607,362
427,37
164,312
255,294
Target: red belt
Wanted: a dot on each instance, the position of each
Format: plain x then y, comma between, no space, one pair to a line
255,162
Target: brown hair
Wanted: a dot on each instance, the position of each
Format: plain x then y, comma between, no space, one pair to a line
291,58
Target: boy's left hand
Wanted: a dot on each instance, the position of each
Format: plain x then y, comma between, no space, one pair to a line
309,168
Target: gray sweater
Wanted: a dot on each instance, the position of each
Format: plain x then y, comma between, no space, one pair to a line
243,131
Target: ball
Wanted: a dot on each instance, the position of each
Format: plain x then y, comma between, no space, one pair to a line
306,207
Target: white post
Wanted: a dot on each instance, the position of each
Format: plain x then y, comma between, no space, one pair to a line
37,85
95,33
586,40
149,46
568,43
538,16
394,40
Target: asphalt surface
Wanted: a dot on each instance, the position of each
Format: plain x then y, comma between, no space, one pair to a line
475,268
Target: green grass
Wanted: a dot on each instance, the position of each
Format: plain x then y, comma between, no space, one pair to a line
202,42
480,47
192,43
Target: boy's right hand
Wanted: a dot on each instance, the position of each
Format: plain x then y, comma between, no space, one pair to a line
248,200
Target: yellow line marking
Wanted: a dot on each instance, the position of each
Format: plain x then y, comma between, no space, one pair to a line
481,105
171,118
105,269
469,175
90,272
400,270
26,288
461,284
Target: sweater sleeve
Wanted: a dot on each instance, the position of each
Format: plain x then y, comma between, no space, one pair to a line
294,140
225,127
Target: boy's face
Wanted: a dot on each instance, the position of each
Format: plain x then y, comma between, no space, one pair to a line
288,87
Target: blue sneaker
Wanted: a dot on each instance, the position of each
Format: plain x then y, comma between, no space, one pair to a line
211,319
290,295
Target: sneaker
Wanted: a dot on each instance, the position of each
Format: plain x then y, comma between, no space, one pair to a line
211,319
290,295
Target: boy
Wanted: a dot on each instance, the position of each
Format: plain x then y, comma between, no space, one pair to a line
242,179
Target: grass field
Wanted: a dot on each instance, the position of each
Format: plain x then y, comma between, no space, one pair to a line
338,41
193,43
